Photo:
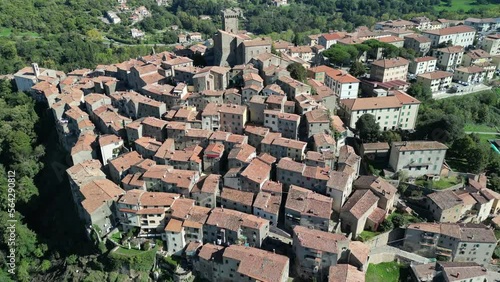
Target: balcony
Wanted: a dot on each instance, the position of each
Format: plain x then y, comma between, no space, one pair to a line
427,243
443,252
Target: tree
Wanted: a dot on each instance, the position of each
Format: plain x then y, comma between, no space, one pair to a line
398,220
357,69
494,182
169,37
368,128
386,225
390,136
297,71
419,91
444,129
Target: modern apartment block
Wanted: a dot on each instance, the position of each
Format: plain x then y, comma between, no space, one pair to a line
389,69
460,35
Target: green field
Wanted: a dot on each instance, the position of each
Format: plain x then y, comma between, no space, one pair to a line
465,5
384,272
479,128
5,32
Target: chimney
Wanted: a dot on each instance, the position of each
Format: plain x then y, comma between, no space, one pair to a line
36,70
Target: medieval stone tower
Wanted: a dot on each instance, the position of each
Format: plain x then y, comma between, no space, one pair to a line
231,20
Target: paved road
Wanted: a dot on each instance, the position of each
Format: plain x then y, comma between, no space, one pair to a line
485,133
471,89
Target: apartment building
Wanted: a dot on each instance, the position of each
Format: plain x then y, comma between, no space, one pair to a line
360,212
96,204
267,205
476,57
308,209
232,118
314,178
83,149
147,146
419,43
460,35
284,123
491,44
120,166
255,175
293,87
417,158
339,187
83,173
449,271
472,75
184,226
397,111
445,206
240,263
145,211
225,226
348,160
449,58
464,242
207,190
482,25
155,128
328,39
385,191
280,147
211,78
212,157
344,85
318,121
241,155
237,200
189,158
345,273
389,69
422,65
436,80
315,251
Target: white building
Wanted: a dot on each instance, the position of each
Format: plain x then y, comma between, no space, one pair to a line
344,85
422,65
417,158
398,111
460,35
436,80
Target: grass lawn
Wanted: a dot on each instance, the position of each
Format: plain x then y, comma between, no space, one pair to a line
367,235
479,128
442,183
463,5
384,272
127,252
485,137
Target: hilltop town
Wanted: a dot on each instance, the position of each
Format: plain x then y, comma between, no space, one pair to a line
258,166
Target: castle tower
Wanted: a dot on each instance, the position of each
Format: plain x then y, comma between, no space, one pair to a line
231,20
